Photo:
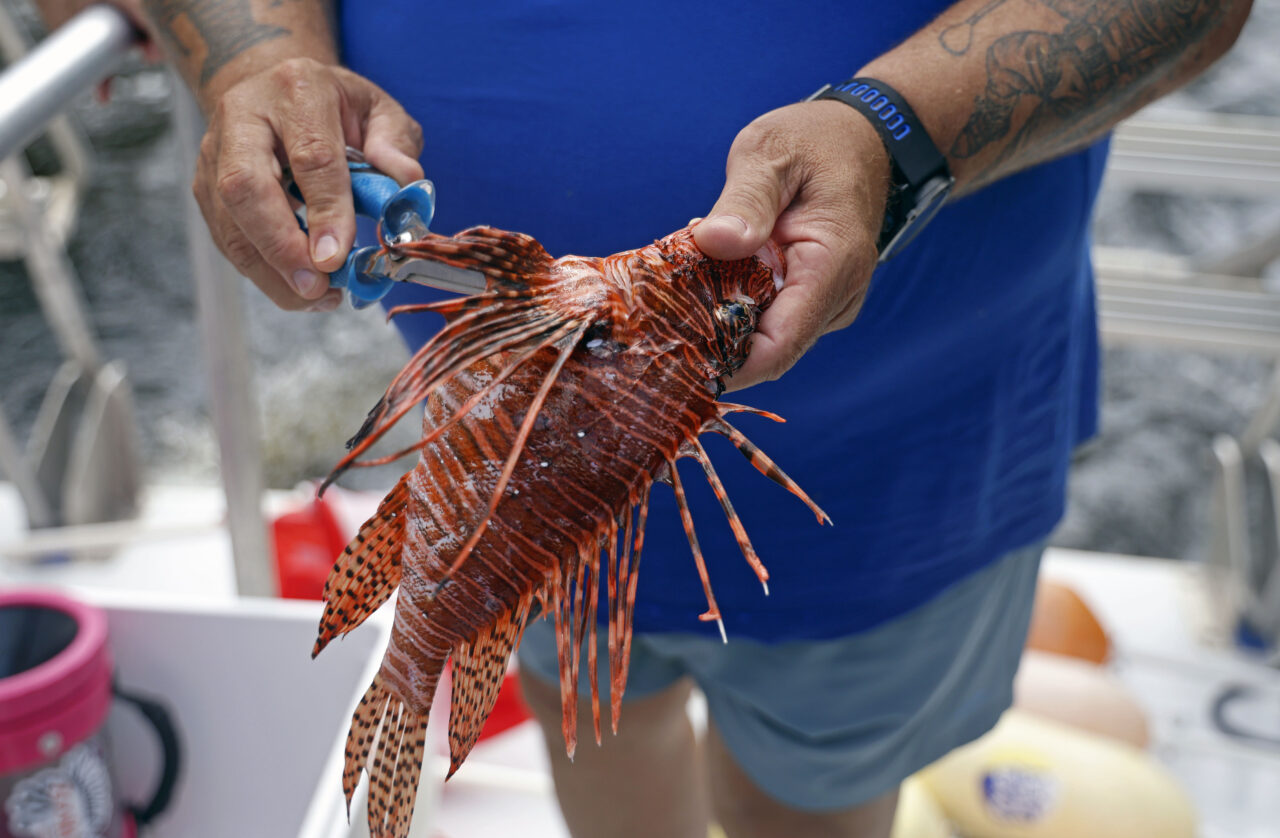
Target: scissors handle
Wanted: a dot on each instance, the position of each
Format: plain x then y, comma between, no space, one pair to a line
399,211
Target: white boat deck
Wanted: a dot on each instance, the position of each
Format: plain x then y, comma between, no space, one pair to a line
240,693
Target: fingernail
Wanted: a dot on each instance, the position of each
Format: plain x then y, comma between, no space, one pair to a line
326,248
728,222
305,281
326,303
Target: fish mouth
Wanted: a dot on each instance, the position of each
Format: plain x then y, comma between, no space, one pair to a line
736,317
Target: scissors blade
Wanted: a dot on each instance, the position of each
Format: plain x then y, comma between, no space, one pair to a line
436,275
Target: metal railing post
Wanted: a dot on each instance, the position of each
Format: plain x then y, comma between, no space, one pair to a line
232,405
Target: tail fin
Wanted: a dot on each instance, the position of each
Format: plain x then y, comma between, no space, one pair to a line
400,737
478,670
368,570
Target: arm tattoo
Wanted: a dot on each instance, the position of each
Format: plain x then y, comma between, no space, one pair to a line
1074,79
958,38
227,28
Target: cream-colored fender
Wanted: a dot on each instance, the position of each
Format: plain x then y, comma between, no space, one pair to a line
1079,694
1035,778
918,815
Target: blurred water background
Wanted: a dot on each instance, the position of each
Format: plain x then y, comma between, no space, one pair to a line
1141,487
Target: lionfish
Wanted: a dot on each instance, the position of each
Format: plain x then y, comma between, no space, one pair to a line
555,399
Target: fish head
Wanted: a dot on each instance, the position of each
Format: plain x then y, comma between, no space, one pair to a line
712,305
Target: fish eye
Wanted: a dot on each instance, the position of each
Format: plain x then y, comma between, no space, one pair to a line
733,312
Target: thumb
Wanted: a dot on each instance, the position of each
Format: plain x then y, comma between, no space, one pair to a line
756,190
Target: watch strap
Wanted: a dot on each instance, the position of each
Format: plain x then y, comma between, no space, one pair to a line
909,145
920,178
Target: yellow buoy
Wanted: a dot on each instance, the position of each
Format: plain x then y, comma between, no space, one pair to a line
1035,778
918,815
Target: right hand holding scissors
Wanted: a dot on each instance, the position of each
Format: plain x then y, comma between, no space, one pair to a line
301,115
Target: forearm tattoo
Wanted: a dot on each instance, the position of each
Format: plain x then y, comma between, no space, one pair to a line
1077,79
226,27
958,38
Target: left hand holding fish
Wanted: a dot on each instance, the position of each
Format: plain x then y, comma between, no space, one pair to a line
813,177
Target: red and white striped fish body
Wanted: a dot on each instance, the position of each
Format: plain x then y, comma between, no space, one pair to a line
553,402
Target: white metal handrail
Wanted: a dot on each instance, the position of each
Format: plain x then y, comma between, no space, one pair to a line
42,83
1171,305
1219,154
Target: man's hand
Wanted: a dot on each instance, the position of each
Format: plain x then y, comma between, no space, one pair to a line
302,114
813,177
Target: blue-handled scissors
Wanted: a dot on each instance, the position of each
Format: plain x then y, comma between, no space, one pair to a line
403,214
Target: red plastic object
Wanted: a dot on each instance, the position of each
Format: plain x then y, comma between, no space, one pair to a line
509,710
307,541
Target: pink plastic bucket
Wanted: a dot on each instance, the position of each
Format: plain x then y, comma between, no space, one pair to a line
55,692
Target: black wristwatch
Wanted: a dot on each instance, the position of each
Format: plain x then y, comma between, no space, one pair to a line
921,180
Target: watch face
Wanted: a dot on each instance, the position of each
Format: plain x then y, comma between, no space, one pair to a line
928,201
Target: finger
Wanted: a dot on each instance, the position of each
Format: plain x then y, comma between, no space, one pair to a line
310,129
778,344
758,186
245,189
393,141
226,235
330,301
798,316
244,257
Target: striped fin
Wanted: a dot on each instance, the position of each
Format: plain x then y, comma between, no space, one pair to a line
759,459
501,255
613,571
686,518
498,327
623,564
397,401
479,667
399,734
559,581
368,570
630,573
725,408
593,601
735,523
573,585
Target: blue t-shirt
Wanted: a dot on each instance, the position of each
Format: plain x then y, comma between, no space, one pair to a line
936,430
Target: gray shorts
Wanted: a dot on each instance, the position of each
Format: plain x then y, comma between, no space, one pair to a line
827,725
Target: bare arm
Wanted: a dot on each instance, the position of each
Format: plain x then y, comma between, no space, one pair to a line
1027,80
216,43
999,84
